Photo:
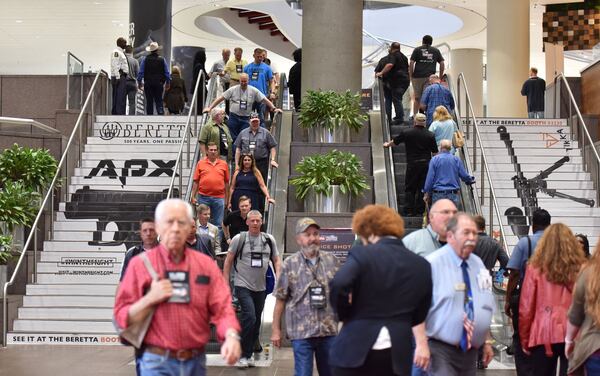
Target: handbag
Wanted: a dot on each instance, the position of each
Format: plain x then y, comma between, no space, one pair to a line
134,334
458,139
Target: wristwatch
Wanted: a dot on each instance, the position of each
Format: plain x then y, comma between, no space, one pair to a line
234,335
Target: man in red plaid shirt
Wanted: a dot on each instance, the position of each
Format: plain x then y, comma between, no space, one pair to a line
189,294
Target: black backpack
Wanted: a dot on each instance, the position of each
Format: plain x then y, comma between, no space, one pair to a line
240,246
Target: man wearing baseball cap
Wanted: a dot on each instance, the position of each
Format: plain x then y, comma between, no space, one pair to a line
302,291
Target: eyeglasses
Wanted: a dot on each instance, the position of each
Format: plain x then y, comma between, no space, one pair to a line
446,212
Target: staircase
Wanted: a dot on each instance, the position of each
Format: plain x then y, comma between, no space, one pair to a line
263,20
531,149
125,171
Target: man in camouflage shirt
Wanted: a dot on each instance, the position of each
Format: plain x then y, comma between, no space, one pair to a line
302,291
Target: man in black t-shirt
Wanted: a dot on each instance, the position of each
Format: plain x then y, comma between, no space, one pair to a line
393,69
534,89
420,146
235,222
422,64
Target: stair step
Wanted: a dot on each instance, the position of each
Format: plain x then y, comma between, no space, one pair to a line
519,143
126,188
560,185
70,313
85,277
81,265
71,258
521,137
68,301
70,290
162,181
86,171
64,326
540,152
87,236
66,338
63,246
533,168
128,155
555,176
172,146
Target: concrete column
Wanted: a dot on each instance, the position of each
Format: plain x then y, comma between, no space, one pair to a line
152,23
469,62
507,57
331,45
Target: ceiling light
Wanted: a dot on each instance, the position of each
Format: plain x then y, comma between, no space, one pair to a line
97,3
19,21
441,6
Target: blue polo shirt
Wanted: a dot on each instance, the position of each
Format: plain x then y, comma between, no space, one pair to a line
259,76
444,173
521,252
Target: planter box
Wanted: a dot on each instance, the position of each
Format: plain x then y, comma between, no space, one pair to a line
298,150
301,135
295,205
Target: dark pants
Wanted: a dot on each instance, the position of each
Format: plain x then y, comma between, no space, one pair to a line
546,365
306,349
225,87
236,124
523,362
592,364
449,360
378,362
393,95
119,95
416,173
154,96
252,304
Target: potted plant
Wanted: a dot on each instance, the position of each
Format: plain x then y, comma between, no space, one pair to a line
6,255
330,116
24,173
327,182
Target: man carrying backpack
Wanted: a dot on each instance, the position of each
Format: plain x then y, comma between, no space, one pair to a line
249,254
516,266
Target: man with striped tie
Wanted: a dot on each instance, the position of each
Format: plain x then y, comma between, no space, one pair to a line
458,322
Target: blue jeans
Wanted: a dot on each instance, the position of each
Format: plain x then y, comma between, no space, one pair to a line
154,96
260,108
236,124
217,208
252,304
159,365
448,195
536,114
592,365
303,355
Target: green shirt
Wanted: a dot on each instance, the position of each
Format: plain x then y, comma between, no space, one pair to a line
211,132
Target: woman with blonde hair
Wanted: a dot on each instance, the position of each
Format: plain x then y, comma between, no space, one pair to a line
582,342
443,127
546,296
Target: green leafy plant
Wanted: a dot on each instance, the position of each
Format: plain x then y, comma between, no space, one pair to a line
6,253
330,110
322,171
34,168
18,205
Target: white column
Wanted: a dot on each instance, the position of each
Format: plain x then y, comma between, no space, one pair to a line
469,62
507,57
332,45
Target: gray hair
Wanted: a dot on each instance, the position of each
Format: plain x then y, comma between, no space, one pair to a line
446,145
453,222
244,75
201,208
162,206
255,213
216,111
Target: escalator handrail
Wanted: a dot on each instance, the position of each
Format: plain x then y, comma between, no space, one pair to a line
388,154
478,146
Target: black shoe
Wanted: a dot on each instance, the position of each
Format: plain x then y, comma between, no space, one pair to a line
480,365
397,122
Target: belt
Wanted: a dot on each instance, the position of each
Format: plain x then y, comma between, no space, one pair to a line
181,355
452,191
444,343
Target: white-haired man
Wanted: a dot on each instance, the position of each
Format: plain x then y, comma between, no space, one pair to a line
191,294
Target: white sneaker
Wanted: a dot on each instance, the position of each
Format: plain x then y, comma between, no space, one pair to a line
251,362
242,363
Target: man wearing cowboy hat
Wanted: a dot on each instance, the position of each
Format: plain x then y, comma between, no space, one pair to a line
153,77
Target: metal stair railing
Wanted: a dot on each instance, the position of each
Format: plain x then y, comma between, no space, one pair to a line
478,151
590,163
48,199
189,135
388,154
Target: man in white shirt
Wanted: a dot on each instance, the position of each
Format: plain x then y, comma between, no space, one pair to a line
118,77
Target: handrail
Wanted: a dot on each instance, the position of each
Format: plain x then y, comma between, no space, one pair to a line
581,124
389,155
485,170
34,123
275,128
69,56
49,194
186,135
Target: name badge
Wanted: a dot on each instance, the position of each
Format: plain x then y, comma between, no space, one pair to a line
254,76
238,68
181,286
252,145
460,286
316,295
243,105
256,260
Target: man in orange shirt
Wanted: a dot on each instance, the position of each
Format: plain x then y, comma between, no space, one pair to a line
212,176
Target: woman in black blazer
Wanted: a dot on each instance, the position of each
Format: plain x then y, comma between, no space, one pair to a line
380,293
